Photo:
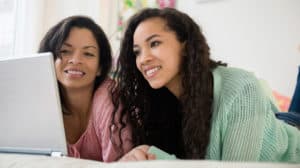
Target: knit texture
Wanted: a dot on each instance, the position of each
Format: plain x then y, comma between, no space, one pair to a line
244,127
95,143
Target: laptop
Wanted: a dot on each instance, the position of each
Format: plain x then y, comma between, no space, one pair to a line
31,120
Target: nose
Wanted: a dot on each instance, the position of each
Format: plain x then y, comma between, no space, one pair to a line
145,57
75,58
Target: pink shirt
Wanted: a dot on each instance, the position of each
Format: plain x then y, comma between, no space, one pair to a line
95,143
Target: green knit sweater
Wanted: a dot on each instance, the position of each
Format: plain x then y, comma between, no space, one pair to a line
244,127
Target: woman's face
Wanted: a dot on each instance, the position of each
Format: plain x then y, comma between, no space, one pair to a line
78,65
158,54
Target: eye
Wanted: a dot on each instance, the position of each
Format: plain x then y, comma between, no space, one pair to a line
136,52
88,54
154,43
64,52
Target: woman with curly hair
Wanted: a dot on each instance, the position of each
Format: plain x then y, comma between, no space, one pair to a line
183,102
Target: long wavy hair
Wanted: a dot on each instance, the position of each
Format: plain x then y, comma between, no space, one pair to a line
56,36
156,116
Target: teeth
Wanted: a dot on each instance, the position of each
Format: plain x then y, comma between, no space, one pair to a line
75,72
151,71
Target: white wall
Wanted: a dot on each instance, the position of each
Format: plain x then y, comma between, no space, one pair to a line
29,24
103,12
35,17
56,10
262,36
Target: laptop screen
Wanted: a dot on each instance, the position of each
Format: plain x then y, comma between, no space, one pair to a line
30,115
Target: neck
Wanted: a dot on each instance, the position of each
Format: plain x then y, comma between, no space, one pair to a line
175,87
78,101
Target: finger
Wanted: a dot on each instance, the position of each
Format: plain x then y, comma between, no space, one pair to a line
124,158
151,156
139,154
136,154
128,157
144,148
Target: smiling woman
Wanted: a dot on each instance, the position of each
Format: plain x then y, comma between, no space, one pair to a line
77,66
82,56
181,100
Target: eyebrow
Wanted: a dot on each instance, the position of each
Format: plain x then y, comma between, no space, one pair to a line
67,44
149,38
85,47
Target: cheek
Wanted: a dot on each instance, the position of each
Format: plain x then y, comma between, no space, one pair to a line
58,69
95,68
137,63
57,64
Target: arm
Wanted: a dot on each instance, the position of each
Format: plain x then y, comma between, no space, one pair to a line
244,133
138,153
110,151
103,113
254,134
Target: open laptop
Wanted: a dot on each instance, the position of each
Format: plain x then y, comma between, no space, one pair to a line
30,111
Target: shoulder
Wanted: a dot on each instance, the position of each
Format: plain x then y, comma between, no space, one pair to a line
233,75
104,89
227,79
102,105
240,91
232,85
102,96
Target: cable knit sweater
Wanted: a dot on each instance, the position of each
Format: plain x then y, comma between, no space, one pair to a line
244,127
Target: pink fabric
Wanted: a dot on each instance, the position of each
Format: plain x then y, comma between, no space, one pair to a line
282,101
95,143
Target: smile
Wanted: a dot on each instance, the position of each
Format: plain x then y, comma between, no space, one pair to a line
150,72
75,72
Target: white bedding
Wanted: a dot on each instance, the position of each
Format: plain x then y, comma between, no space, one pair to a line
31,161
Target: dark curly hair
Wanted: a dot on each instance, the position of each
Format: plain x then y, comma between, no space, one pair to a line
157,117
56,36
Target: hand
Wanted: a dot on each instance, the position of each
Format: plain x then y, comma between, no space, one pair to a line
138,153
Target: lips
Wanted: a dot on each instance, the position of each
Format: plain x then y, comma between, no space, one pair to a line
150,72
74,72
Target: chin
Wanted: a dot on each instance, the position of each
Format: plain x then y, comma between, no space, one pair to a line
155,85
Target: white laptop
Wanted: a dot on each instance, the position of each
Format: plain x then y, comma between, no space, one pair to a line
30,111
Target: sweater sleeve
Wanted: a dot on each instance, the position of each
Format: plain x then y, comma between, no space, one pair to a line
253,133
104,109
244,132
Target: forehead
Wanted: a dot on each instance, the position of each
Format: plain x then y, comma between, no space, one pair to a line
81,36
150,26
